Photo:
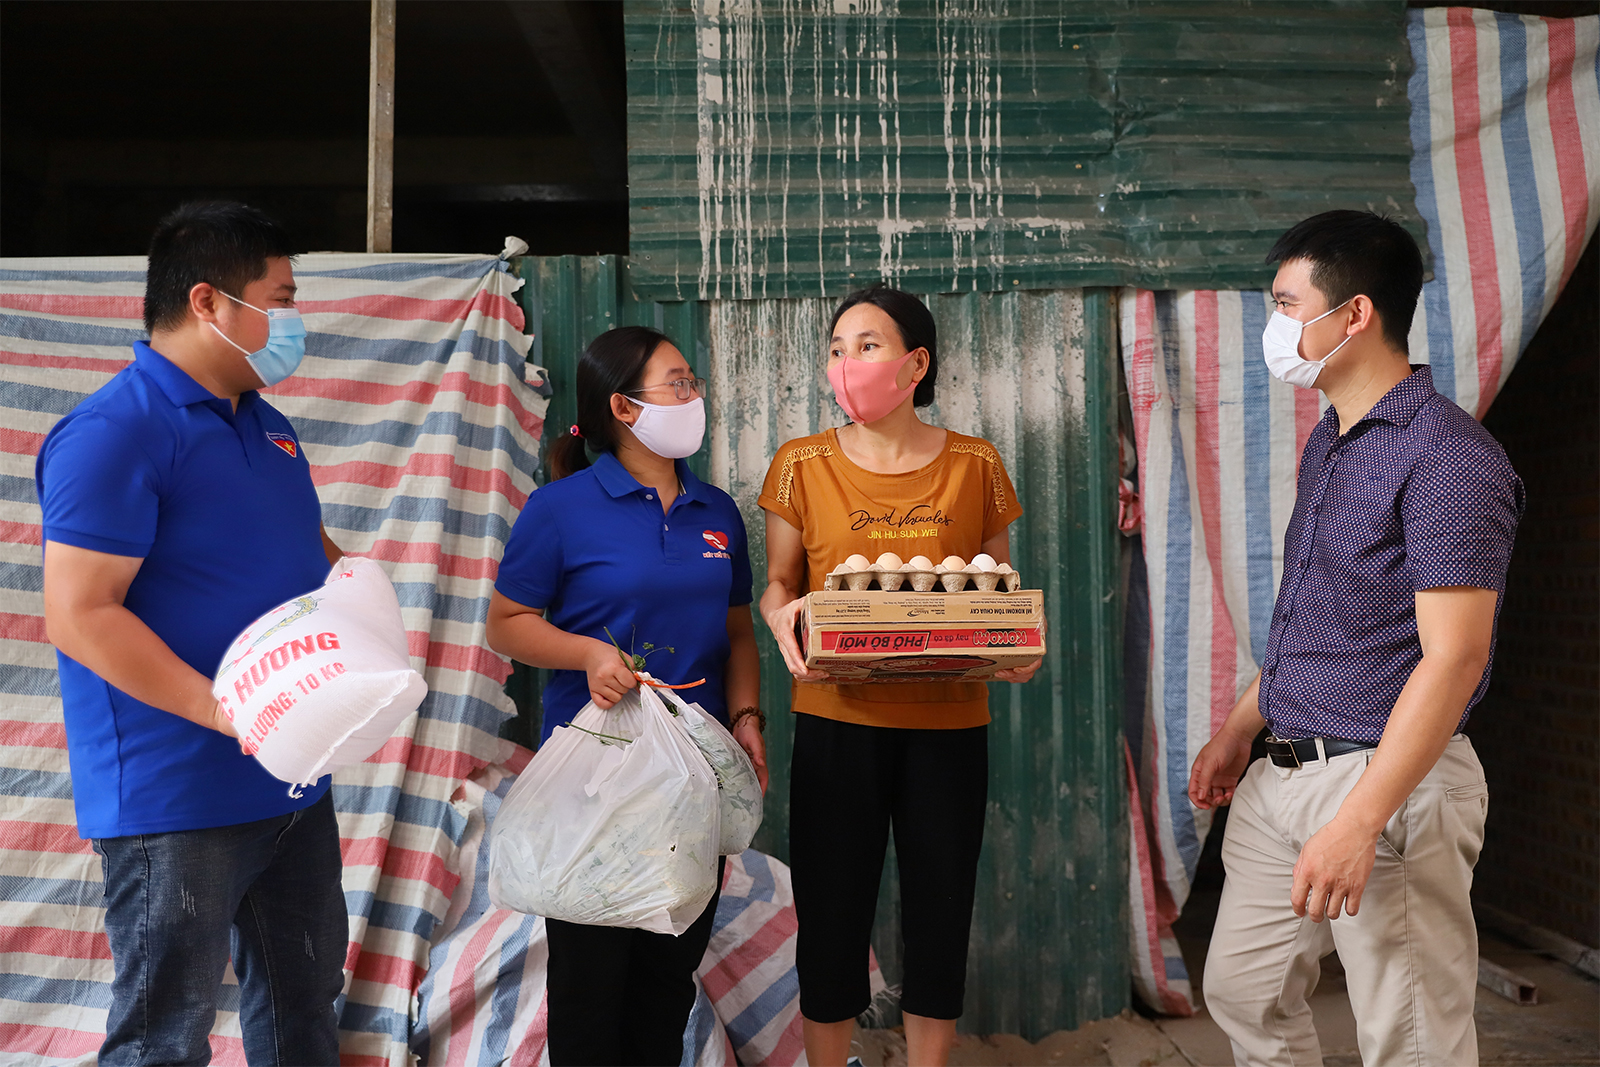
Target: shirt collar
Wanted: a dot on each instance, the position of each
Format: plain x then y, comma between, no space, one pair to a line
693,488
173,380
616,480
1401,403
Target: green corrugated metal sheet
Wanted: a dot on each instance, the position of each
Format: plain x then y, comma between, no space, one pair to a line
569,300
804,147
1034,372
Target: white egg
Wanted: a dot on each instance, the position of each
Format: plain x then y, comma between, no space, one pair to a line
889,561
857,562
984,562
954,563
921,563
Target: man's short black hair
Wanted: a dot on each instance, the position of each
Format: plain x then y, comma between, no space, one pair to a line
222,243
916,329
1358,253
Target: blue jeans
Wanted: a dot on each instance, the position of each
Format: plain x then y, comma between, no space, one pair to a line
177,905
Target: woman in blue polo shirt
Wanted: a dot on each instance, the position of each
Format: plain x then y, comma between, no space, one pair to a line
637,545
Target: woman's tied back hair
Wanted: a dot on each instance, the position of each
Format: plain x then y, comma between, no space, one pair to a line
916,329
222,243
1359,253
614,362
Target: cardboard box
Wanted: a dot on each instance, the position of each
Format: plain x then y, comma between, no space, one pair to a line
874,636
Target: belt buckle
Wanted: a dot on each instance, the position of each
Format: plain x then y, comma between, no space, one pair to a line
1275,739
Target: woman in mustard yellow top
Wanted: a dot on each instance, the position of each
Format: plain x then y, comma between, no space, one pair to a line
911,756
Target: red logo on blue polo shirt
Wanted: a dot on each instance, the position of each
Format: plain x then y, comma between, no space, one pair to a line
719,545
285,442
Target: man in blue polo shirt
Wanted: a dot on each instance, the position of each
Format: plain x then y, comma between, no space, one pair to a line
178,506
1371,802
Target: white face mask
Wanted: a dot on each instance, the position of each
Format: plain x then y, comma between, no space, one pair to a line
673,432
1280,344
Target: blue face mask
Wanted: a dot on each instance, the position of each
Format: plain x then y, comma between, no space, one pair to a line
286,343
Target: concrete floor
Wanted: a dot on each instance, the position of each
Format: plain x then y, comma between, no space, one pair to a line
1562,1030
1126,1039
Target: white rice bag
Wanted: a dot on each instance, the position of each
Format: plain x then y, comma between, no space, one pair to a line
321,682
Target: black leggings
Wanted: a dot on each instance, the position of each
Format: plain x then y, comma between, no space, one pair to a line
850,783
623,996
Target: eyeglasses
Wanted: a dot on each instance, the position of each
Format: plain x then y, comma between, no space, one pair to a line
683,388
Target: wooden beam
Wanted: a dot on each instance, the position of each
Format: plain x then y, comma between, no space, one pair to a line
1507,983
1560,946
380,130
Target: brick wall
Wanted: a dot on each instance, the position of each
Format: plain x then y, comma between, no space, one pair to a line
1538,728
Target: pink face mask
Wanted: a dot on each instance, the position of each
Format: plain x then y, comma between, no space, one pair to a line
867,391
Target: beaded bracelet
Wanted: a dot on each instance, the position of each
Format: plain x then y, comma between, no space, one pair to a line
744,713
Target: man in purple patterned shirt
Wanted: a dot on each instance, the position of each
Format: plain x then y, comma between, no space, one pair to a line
1369,810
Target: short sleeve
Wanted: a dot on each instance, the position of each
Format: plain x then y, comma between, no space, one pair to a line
779,491
1001,507
98,488
1460,511
531,568
741,592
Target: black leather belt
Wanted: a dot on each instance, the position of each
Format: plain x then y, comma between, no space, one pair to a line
1304,750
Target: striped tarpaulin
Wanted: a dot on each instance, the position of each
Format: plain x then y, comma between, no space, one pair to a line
421,420
1505,120
482,1000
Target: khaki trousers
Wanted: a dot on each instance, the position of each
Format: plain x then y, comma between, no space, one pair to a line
1410,954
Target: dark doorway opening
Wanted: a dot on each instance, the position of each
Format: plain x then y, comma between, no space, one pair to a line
510,118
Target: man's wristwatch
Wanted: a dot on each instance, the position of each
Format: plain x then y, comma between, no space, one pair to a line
745,713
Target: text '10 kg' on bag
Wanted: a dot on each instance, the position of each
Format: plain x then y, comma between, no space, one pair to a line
320,682
612,823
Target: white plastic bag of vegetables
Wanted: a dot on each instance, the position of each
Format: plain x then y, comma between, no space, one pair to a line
612,823
739,800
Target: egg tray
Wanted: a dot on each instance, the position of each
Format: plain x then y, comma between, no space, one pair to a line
941,579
